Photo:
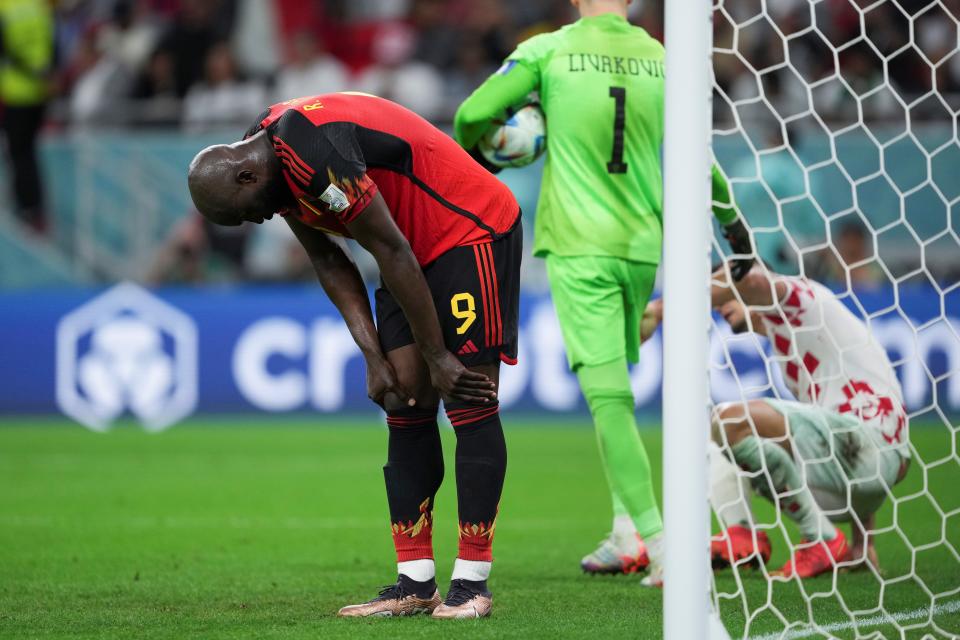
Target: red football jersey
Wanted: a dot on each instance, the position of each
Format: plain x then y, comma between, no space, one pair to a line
339,150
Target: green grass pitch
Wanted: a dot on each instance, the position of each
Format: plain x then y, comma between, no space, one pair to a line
222,529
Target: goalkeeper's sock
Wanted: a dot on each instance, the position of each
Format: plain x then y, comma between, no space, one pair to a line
413,473
481,466
787,488
622,533
607,390
729,491
655,549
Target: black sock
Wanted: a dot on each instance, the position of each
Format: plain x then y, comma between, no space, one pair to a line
477,586
481,465
420,589
413,473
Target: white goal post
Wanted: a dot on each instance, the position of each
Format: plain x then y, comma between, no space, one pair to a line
836,124
686,316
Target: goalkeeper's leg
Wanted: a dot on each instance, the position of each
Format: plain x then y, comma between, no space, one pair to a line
607,390
599,302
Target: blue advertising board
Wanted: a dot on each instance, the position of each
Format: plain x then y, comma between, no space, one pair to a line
164,354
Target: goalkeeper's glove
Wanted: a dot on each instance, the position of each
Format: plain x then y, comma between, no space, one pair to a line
738,236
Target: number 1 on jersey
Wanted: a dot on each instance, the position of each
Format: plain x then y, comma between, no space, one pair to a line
616,164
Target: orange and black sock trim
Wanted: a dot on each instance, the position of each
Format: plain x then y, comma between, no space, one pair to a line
413,474
481,462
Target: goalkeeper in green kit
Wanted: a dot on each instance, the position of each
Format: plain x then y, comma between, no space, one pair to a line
599,227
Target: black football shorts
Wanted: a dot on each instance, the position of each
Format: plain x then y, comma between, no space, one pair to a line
476,291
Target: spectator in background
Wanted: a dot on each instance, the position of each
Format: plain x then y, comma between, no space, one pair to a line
156,91
854,254
200,24
395,75
106,61
471,71
132,34
223,98
26,55
100,81
439,39
198,251
274,254
310,70
256,37
490,22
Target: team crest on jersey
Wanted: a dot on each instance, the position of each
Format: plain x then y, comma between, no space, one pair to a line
507,67
335,198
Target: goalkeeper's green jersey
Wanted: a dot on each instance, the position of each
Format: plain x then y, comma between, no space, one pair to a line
601,85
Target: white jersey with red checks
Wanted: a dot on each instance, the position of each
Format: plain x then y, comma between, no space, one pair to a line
829,358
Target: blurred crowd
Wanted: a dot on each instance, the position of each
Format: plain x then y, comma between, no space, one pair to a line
837,61
206,64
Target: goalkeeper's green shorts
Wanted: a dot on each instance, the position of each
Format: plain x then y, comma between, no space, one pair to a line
600,301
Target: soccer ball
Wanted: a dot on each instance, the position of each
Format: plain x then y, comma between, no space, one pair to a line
518,141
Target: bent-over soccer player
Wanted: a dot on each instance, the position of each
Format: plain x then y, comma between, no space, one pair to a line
447,238
831,455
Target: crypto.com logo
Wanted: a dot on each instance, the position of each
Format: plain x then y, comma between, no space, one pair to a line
126,350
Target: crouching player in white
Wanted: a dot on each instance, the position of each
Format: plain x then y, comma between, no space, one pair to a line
830,456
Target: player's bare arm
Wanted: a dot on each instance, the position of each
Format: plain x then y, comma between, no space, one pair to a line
755,288
376,231
341,281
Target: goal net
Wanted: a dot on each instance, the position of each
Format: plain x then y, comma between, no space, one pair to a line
835,122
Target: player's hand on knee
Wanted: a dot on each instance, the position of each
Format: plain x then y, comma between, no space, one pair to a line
381,380
454,381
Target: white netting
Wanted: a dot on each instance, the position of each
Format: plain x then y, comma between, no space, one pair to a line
836,123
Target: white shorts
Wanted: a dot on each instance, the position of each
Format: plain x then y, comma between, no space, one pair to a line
847,465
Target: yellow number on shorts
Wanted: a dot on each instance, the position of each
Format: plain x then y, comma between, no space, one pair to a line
468,315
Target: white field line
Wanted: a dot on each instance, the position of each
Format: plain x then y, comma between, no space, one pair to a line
874,621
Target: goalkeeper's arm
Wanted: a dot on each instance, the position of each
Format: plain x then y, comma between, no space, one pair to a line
506,88
731,221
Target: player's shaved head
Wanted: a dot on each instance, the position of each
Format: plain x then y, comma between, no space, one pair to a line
239,182
212,184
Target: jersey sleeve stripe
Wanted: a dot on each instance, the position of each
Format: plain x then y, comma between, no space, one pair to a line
292,165
294,170
278,142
